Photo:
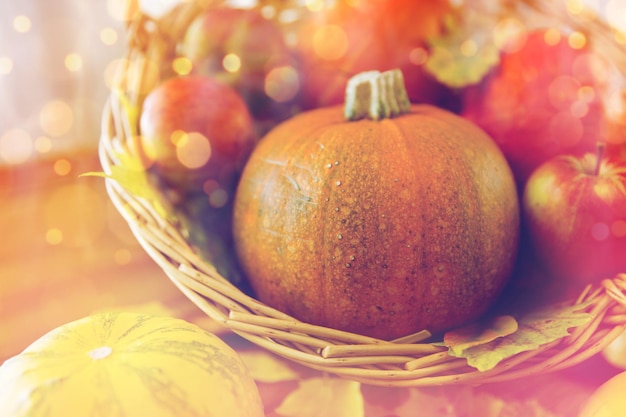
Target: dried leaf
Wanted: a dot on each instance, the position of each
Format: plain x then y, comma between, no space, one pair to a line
479,333
324,396
131,174
535,329
466,51
265,367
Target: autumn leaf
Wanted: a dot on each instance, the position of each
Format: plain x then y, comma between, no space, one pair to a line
536,329
479,333
132,176
324,396
466,51
266,367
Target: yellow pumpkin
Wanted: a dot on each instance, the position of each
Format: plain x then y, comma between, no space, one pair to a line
130,365
608,400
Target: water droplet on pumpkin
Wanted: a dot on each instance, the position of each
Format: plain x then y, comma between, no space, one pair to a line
339,236
338,183
352,258
329,165
348,265
336,163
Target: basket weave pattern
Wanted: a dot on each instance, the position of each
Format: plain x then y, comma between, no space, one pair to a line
410,361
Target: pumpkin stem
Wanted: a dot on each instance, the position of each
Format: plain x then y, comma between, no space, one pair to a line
376,95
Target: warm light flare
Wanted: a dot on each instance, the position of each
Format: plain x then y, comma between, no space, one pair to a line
469,48
577,40
56,118
552,36
330,42
182,66
22,24
282,83
43,144
54,236
231,63
62,167
108,36
418,56
193,150
73,62
6,65
16,146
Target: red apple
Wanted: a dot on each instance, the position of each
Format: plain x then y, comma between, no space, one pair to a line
543,100
575,214
247,51
197,133
352,37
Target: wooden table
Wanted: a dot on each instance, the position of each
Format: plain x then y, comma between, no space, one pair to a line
65,253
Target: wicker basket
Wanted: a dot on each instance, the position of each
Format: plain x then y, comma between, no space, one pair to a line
412,361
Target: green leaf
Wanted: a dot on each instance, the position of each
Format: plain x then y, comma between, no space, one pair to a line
536,329
324,396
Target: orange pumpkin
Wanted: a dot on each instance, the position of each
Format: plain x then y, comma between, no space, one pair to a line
405,219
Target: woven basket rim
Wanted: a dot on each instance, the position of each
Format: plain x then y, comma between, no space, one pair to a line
410,361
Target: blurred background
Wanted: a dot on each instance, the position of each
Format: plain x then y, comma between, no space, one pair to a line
64,249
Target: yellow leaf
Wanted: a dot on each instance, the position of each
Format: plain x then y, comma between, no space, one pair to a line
536,329
131,174
324,396
479,333
265,367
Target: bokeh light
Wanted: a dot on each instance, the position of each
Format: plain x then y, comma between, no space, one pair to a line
62,167
509,34
43,144
73,62
108,36
468,48
282,83
231,63
6,65
56,118
22,24
418,56
315,5
577,40
193,150
54,236
218,197
600,231
182,66
552,36
330,42
575,6
618,228
16,146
